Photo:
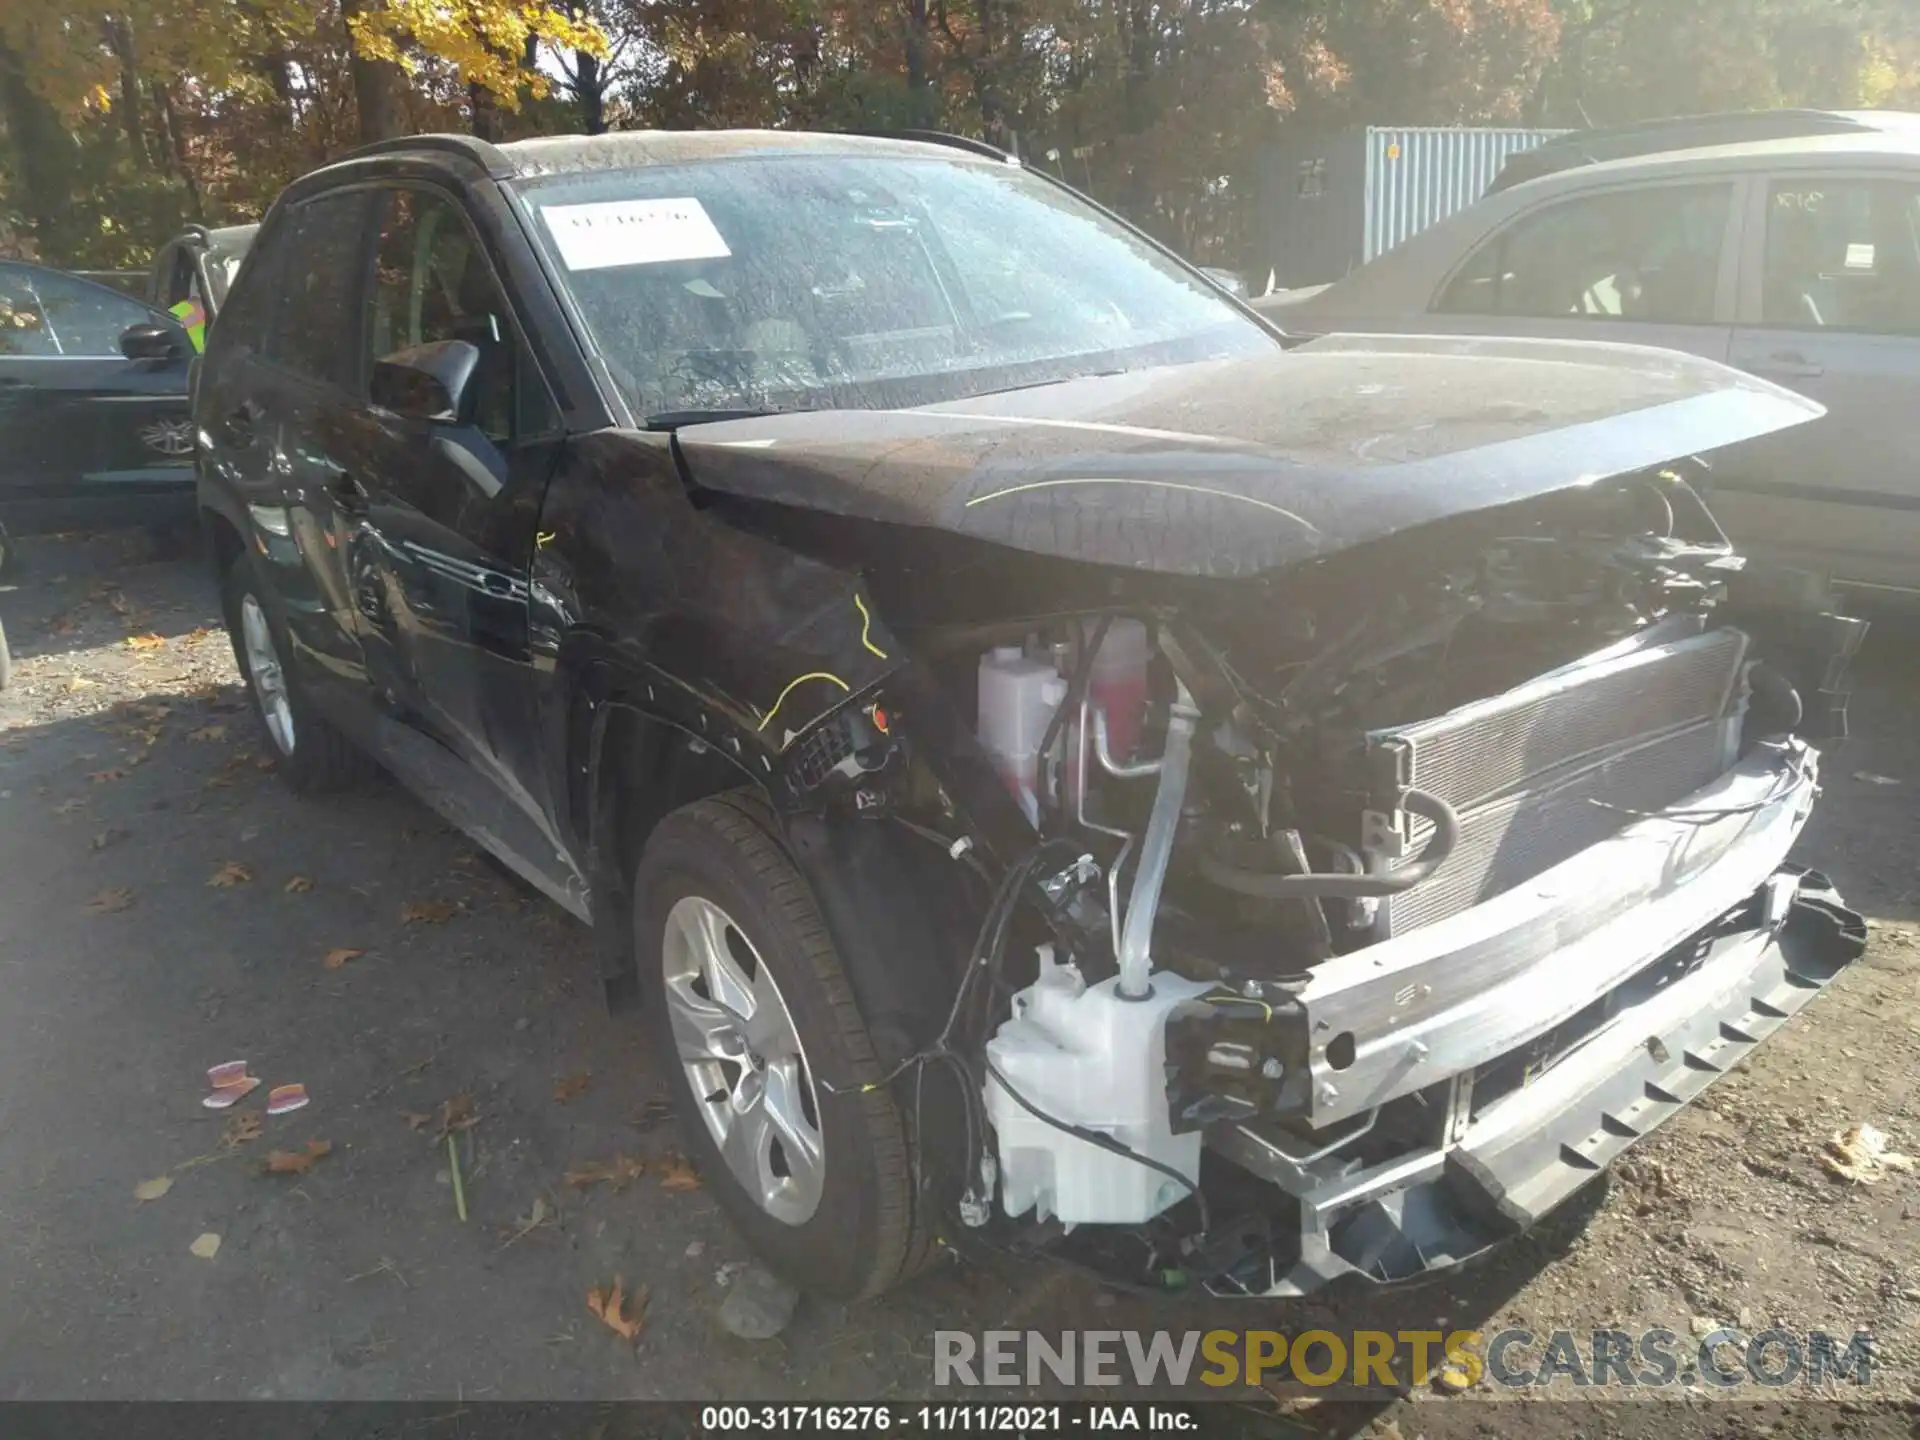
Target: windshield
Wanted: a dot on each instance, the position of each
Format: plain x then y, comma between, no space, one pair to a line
862,282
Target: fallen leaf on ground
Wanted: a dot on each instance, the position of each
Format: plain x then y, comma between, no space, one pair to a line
571,1087
619,1172
1860,1154
296,1162
456,1114
199,632
230,874
426,912
67,807
208,732
153,1189
107,902
145,642
298,885
107,837
334,959
610,1308
100,777
80,682
218,782
416,1119
207,1246
241,1128
678,1174
1872,779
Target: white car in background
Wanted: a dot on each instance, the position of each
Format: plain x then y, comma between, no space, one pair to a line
1796,259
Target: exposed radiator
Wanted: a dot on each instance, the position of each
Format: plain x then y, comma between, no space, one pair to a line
1545,770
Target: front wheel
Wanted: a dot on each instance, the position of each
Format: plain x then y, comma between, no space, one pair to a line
311,754
776,1075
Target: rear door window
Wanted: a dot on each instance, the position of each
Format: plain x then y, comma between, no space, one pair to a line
1843,255
23,320
1651,255
50,313
322,263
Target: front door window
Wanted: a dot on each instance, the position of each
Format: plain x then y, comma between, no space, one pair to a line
1651,255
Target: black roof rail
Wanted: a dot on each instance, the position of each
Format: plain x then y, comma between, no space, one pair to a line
1679,132
488,156
952,142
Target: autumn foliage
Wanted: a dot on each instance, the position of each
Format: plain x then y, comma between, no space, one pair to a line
121,119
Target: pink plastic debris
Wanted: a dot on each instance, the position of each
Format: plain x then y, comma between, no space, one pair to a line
230,1083
226,1095
283,1098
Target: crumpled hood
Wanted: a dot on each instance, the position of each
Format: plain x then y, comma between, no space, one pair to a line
1233,467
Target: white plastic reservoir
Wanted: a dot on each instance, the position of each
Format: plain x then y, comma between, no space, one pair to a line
1087,1057
1017,699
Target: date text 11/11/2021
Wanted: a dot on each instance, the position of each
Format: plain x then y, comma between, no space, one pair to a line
956,1418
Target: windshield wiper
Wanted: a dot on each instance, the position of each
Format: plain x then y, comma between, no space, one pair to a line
674,419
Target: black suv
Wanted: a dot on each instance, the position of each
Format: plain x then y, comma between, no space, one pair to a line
1016,723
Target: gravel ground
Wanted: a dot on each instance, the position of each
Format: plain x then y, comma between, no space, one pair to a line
165,904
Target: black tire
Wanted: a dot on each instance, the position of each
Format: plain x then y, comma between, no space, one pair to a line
866,1233
321,758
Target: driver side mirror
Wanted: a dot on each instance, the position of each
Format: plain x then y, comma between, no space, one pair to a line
426,382
152,340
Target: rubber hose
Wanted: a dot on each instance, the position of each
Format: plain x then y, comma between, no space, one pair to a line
1264,885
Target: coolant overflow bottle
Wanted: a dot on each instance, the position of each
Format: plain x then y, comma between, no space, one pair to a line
1118,683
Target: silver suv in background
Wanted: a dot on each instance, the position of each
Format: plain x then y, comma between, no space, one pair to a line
1796,259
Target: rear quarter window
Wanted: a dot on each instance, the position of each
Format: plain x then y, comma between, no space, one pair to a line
243,320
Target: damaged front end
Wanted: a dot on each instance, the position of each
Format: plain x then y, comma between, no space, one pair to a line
1337,923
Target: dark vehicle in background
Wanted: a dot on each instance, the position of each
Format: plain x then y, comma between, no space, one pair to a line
94,427
1064,771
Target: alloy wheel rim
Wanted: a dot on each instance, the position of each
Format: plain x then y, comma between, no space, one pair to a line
264,670
737,1042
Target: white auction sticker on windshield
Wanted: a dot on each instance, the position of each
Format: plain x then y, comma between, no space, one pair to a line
633,232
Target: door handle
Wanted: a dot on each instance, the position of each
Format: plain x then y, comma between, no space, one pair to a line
1789,363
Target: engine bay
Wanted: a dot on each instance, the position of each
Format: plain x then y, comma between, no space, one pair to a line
1225,788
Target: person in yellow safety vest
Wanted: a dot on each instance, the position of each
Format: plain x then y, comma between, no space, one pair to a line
192,316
